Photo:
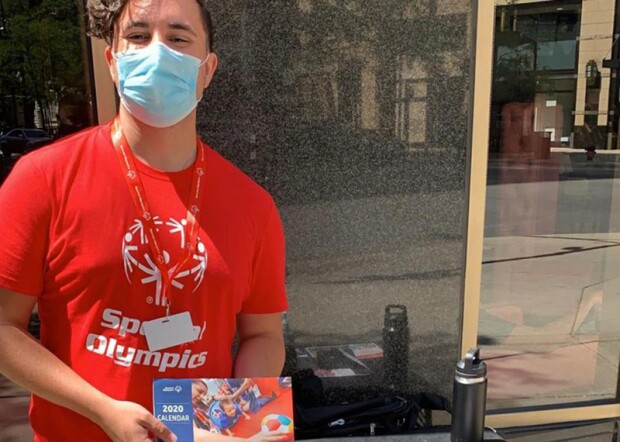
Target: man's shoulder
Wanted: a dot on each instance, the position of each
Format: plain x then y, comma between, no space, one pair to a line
234,181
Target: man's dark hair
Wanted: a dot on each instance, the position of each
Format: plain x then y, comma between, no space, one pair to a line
104,14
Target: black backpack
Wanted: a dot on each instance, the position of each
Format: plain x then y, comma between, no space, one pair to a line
368,412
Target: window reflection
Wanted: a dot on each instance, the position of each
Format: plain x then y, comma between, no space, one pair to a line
550,281
354,116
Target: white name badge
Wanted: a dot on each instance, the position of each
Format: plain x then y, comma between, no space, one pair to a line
170,331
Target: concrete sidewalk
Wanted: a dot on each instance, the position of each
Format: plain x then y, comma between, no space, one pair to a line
14,426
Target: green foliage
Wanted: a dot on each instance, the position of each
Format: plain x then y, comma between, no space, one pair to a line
41,51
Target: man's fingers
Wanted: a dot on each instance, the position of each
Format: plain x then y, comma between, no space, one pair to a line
159,429
276,436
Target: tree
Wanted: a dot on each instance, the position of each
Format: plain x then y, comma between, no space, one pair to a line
41,54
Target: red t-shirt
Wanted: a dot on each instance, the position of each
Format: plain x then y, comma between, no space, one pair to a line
70,235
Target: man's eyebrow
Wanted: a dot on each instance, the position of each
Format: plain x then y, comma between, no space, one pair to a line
182,27
135,24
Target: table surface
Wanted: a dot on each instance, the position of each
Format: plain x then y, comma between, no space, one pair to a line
435,436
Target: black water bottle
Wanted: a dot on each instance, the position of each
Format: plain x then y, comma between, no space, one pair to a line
469,398
396,346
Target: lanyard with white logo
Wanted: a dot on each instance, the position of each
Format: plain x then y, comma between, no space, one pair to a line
136,189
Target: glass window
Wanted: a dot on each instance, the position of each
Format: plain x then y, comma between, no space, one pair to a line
355,119
556,55
32,133
16,133
550,294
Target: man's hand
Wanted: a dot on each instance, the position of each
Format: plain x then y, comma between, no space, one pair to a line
201,435
271,437
130,422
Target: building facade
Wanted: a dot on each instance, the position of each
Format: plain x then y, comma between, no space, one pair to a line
554,56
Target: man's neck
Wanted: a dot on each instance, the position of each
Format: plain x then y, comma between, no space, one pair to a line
170,149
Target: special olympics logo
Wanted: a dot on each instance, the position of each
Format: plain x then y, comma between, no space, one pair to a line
178,389
137,257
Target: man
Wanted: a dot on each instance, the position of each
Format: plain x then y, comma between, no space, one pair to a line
144,250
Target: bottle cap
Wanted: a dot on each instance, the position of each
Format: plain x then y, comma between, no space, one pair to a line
471,365
395,315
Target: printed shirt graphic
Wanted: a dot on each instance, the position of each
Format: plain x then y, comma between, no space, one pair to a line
70,226
144,264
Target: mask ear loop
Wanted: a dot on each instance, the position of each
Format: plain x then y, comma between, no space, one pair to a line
118,54
204,61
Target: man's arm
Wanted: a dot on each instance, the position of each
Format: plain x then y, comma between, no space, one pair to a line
27,363
261,346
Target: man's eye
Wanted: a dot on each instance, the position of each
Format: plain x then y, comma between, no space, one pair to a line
138,37
179,40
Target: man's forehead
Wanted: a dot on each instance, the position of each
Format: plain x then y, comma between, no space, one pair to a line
145,24
146,11
141,9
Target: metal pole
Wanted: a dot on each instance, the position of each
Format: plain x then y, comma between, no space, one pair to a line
613,63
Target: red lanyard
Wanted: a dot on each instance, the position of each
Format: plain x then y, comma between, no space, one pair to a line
136,188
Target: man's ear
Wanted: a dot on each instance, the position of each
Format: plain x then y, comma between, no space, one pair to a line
111,64
210,68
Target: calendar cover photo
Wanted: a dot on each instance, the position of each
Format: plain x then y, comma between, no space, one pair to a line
200,410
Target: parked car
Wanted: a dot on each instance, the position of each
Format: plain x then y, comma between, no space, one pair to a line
4,167
21,141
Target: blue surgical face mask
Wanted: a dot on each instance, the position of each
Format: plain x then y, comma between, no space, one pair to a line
157,85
